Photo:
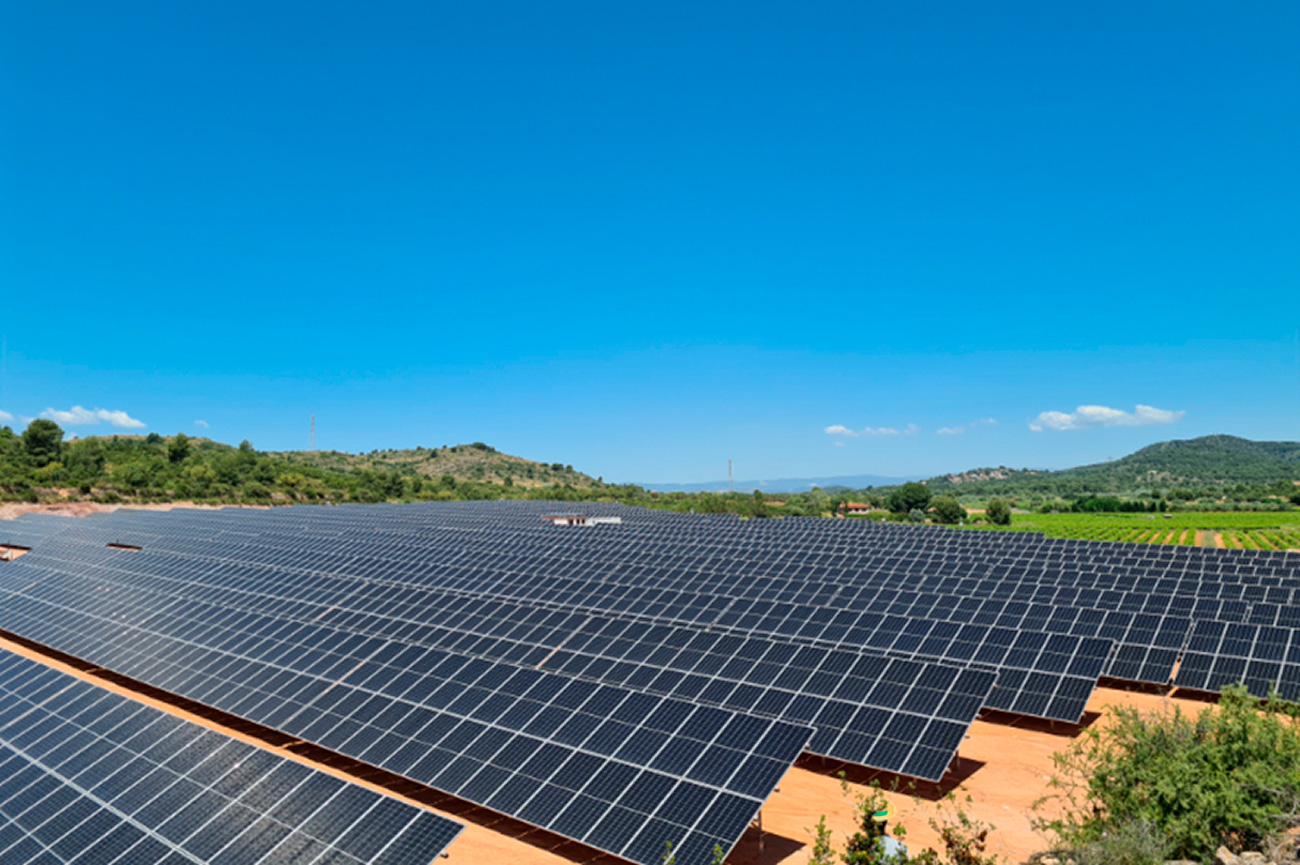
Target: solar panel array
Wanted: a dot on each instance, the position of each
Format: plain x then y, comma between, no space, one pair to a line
621,771
874,644
91,777
889,713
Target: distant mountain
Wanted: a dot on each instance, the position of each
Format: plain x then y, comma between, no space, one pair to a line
1209,461
784,485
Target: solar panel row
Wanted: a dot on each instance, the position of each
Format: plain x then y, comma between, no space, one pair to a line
621,771
94,778
892,714
1050,677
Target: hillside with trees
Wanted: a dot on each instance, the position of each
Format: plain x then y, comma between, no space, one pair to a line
476,462
39,465
1218,467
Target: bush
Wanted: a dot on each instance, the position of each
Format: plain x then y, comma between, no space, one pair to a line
998,512
1230,776
256,492
948,510
1134,843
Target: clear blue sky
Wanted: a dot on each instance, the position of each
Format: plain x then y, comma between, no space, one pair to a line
644,238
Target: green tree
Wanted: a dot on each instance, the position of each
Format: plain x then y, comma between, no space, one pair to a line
909,497
179,448
998,512
948,510
43,440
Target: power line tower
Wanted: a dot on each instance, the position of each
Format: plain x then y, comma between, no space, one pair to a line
731,484
311,439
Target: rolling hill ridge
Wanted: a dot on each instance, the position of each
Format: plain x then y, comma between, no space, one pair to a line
1208,461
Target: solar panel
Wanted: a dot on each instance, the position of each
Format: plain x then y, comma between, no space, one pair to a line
891,714
90,776
1041,613
590,762
1262,658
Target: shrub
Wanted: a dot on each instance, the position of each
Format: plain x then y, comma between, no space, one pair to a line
948,510
998,512
256,492
965,839
1137,842
823,850
1230,776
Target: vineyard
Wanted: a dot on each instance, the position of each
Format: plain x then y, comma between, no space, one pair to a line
1277,530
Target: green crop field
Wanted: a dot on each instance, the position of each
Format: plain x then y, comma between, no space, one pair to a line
1266,530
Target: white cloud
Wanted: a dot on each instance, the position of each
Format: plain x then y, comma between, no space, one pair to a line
202,423
839,444
79,416
958,430
5,417
1086,416
841,430
119,419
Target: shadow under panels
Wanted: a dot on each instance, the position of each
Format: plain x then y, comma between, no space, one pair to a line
618,770
90,777
898,715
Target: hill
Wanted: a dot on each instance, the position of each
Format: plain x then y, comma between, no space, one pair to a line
39,466
477,463
1208,463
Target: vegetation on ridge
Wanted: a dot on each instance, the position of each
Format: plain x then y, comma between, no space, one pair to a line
1208,467
38,465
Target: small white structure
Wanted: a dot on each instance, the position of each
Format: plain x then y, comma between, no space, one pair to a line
581,520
